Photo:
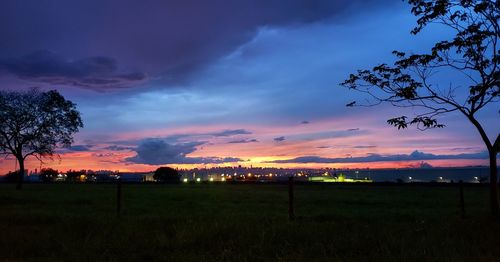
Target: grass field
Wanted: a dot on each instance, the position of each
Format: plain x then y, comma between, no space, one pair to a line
202,222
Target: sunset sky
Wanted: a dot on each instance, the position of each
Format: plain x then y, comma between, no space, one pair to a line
224,83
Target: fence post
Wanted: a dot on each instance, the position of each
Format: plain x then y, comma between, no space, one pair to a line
462,200
118,196
291,214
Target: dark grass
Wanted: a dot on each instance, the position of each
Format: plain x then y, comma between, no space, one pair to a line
202,222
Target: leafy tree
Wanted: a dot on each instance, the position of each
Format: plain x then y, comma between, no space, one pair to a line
48,174
35,123
471,54
166,174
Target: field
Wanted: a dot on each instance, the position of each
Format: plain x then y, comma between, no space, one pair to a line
203,222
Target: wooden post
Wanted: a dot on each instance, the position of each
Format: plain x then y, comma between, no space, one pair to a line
462,200
291,214
118,196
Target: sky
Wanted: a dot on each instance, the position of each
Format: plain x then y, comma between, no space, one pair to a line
226,83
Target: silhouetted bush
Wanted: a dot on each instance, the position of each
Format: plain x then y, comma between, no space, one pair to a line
166,174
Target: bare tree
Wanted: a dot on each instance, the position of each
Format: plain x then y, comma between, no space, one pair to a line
472,54
35,123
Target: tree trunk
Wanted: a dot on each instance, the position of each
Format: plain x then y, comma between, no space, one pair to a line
20,178
493,182
492,152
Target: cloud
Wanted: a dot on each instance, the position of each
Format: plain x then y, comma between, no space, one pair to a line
155,151
353,129
172,39
176,138
308,136
75,148
179,139
100,155
464,148
415,155
97,73
243,141
226,160
119,148
279,139
232,132
420,165
361,147
304,122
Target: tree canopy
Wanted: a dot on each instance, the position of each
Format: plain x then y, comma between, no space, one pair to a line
166,174
35,123
471,57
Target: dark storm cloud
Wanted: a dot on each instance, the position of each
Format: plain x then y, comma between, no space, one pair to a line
415,155
170,40
154,151
243,141
97,73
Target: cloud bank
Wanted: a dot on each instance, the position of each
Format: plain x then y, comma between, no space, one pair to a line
171,40
415,155
98,73
155,151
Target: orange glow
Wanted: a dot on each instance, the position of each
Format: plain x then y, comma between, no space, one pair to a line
379,140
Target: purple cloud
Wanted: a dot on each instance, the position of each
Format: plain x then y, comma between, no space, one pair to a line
154,151
97,73
415,155
279,139
243,141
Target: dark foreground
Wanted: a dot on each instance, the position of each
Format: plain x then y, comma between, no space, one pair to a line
246,223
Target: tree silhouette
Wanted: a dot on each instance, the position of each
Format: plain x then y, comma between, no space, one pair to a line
166,174
471,54
35,123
